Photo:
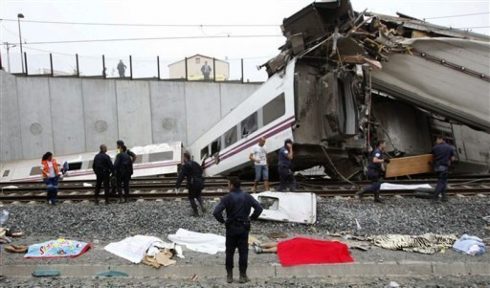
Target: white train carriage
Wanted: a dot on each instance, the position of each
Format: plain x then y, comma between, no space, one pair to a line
156,159
268,112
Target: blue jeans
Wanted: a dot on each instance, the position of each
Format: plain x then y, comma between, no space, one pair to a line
441,187
52,188
261,173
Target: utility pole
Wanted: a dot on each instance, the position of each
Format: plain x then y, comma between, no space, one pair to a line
19,16
8,46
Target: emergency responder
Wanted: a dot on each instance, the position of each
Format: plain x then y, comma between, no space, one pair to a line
285,166
375,171
237,205
192,171
103,168
119,144
123,167
443,156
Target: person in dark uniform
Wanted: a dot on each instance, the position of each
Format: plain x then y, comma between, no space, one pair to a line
103,168
443,155
285,166
237,205
123,167
375,171
119,145
192,171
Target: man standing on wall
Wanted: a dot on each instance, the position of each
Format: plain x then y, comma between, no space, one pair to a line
103,168
206,70
443,155
238,205
285,166
375,171
192,171
259,157
121,68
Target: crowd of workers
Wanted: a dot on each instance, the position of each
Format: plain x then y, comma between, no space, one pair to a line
237,204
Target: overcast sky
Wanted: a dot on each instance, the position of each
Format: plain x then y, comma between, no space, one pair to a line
255,50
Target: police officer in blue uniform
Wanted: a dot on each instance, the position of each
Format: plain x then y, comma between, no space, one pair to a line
285,166
192,171
375,171
237,205
443,154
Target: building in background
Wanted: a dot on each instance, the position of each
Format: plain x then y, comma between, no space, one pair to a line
200,67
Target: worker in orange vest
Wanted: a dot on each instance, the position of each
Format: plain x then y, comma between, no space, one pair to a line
51,174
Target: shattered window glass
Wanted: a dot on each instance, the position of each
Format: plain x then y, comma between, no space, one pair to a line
274,109
249,125
231,136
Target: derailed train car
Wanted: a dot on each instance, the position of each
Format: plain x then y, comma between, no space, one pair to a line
348,79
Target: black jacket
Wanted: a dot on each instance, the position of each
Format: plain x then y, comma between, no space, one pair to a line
123,165
102,164
238,205
192,171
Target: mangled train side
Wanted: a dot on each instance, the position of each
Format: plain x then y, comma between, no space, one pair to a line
364,76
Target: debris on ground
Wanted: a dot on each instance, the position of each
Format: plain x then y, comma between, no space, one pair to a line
470,245
46,273
15,248
288,206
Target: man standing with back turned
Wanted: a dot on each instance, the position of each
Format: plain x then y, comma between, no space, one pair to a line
103,168
192,172
443,156
237,205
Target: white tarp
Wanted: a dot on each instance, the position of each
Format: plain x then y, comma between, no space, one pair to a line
389,186
200,242
288,206
132,248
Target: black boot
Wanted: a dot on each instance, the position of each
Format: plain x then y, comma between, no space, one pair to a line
377,199
229,277
243,277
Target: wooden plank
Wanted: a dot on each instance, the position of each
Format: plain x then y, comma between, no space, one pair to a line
409,165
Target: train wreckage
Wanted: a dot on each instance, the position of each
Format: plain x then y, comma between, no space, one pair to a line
346,79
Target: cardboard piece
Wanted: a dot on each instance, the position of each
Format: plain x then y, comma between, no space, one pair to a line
409,165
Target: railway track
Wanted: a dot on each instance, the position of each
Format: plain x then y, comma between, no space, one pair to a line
160,188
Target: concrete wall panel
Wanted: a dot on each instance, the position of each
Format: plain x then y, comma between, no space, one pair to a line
133,112
67,115
168,112
99,101
234,94
10,139
203,108
35,116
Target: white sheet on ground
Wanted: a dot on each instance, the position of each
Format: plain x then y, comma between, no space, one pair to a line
389,186
134,248
288,206
200,242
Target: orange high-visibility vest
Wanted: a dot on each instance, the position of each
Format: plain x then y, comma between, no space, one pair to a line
46,168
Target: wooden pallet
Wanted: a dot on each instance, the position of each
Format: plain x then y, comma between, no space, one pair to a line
409,166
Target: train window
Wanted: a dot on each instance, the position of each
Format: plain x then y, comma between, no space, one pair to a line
74,166
6,173
230,136
274,109
215,146
159,156
139,158
90,164
249,125
204,152
36,171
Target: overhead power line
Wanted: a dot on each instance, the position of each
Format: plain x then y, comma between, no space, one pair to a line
142,24
457,15
152,38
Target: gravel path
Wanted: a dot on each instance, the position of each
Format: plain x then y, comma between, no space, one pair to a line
115,221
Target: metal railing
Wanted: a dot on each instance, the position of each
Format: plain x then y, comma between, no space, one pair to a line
195,68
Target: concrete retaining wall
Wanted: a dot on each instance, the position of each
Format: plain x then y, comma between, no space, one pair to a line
75,115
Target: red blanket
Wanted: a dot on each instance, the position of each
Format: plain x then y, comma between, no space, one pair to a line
300,251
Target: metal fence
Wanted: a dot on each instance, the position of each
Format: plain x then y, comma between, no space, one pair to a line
134,67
